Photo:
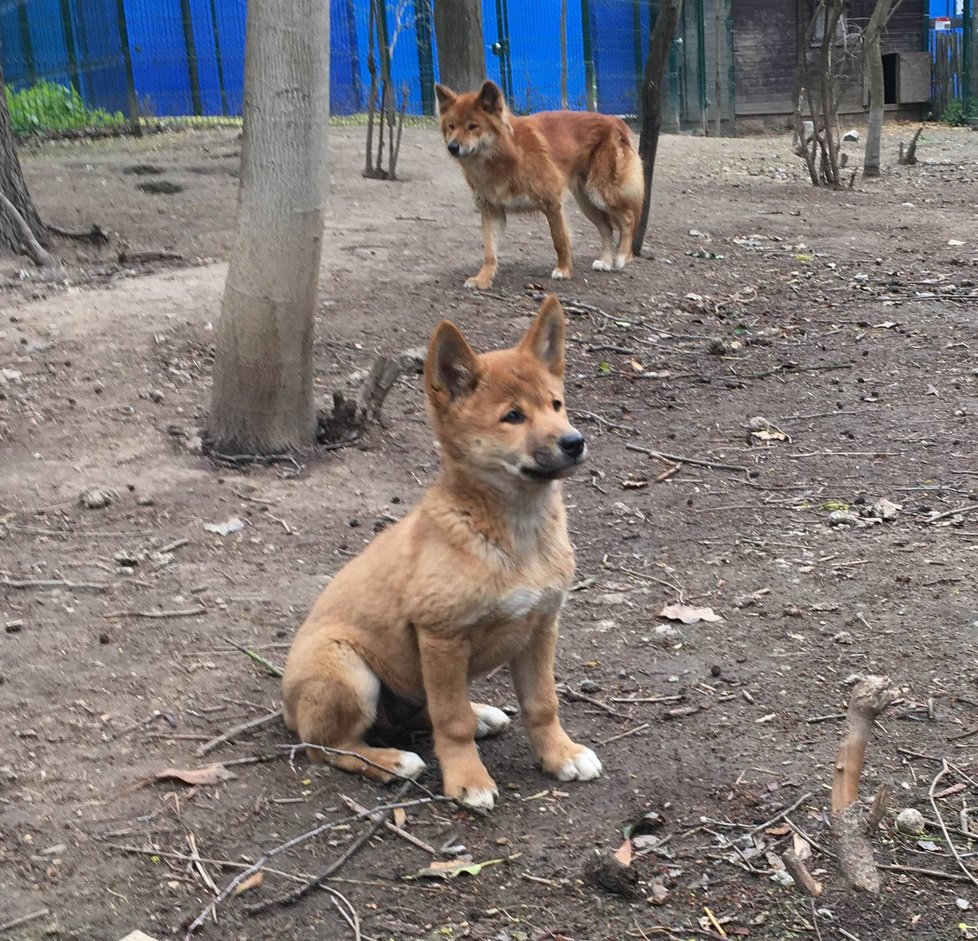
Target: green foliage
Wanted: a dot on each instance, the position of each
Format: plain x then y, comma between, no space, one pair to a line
958,112
46,106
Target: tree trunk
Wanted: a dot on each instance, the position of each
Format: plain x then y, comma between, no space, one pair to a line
12,186
461,50
874,65
660,40
263,393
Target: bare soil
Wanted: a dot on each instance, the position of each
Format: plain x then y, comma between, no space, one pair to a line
849,320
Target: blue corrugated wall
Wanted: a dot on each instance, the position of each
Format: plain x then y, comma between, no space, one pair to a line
187,56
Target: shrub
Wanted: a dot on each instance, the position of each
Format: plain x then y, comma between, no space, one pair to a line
47,106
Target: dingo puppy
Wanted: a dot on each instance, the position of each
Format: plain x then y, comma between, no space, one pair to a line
472,578
529,163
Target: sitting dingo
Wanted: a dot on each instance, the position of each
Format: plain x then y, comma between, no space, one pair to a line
472,578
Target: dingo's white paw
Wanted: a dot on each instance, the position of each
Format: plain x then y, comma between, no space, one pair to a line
489,720
584,766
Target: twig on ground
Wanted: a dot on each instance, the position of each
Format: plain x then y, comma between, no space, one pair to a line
565,690
248,726
794,367
295,841
695,462
199,864
158,615
377,817
646,577
53,583
960,511
804,880
679,697
173,546
96,234
780,814
24,919
940,819
634,731
272,668
390,825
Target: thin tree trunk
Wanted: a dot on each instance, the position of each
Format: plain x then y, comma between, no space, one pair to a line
461,48
660,40
12,186
263,393
874,65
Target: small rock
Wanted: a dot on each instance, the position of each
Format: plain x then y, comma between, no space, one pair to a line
145,501
910,821
844,638
658,893
843,518
7,774
95,499
665,635
719,348
232,525
963,904
852,134
589,686
758,423
14,627
156,395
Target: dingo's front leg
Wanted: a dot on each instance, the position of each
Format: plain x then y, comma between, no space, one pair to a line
445,668
533,675
493,228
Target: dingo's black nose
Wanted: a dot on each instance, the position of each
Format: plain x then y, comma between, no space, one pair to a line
453,148
572,444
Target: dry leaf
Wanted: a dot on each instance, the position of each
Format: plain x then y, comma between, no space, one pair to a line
400,816
634,484
449,869
766,434
802,847
687,614
778,831
636,365
212,774
253,881
624,853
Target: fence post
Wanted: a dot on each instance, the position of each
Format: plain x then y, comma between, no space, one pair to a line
137,127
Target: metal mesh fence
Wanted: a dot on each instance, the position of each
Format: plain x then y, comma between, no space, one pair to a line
167,58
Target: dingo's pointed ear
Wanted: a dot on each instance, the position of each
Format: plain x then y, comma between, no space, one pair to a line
490,97
452,368
545,338
446,97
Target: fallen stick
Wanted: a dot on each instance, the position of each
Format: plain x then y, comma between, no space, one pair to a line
780,814
581,697
377,817
869,698
960,511
24,919
804,880
940,819
158,615
53,583
272,668
248,726
295,841
693,461
634,731
390,825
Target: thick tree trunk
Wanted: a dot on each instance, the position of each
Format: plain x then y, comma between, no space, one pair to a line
263,393
874,66
12,186
660,39
461,49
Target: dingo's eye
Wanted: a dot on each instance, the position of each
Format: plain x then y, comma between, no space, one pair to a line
451,127
473,126
514,417
557,405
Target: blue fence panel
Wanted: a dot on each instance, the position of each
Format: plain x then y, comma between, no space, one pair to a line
98,39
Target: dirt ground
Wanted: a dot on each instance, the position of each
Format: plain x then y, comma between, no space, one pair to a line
848,320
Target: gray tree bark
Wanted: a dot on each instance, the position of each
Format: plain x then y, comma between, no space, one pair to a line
262,400
13,187
461,48
660,39
874,65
